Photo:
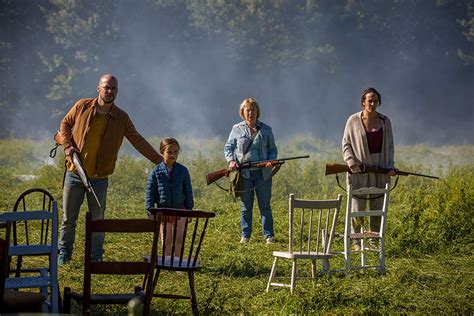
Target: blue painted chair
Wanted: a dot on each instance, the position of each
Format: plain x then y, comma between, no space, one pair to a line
35,234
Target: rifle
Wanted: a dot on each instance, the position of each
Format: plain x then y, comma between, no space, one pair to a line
216,175
76,160
339,168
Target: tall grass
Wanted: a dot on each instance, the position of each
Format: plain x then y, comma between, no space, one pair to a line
429,242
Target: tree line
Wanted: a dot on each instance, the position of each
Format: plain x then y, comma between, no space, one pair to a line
50,48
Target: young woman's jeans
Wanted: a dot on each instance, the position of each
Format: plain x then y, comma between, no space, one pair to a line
263,190
73,196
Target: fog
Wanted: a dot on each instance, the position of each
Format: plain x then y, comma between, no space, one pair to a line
171,87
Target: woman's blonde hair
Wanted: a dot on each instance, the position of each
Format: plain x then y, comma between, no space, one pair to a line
166,142
250,102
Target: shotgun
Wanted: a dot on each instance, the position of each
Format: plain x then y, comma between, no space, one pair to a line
76,160
216,175
340,168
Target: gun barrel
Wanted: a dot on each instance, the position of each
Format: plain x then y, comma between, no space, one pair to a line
83,175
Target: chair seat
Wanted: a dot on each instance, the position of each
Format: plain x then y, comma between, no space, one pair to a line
375,235
174,264
112,298
122,298
27,282
301,255
31,250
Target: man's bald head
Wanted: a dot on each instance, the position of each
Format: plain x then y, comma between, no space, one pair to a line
107,89
108,77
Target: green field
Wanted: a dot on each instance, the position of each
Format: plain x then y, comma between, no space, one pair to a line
429,234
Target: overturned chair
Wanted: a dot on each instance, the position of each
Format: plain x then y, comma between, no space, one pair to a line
182,234
312,225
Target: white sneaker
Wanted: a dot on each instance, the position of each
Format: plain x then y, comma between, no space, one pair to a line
270,240
244,240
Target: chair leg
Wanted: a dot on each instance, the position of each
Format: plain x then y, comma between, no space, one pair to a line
382,256
194,304
272,274
326,266
363,258
67,301
54,298
293,277
155,279
48,301
347,255
313,269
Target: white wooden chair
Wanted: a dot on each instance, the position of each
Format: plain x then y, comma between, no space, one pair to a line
39,238
312,225
370,241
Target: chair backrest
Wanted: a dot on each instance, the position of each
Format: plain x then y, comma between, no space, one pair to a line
23,248
4,244
182,235
137,267
368,193
312,224
37,232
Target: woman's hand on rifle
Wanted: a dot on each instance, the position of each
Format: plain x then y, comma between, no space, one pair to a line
392,172
233,165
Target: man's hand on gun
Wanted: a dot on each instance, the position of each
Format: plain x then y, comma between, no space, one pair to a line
68,153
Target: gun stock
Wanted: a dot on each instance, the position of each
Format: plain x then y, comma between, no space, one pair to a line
336,168
216,175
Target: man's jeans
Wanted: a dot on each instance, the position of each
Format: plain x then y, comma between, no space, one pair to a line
73,196
263,190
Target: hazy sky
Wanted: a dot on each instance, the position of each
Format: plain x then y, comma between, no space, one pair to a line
170,90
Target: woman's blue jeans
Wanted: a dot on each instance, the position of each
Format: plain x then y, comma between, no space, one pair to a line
73,196
263,190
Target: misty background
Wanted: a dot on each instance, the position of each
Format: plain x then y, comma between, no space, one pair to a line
185,66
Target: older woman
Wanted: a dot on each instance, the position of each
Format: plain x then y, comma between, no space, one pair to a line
368,140
252,140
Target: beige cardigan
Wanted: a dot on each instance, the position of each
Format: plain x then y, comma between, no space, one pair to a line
355,149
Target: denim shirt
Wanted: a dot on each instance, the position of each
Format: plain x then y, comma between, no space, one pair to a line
161,191
240,140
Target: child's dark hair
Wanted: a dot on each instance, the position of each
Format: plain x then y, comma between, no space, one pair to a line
166,142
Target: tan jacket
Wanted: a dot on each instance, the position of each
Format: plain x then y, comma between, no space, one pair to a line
75,125
355,149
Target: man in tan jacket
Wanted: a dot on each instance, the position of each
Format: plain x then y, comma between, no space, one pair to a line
95,128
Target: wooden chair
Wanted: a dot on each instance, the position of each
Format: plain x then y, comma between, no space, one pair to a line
366,237
137,267
35,233
14,301
312,225
182,235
